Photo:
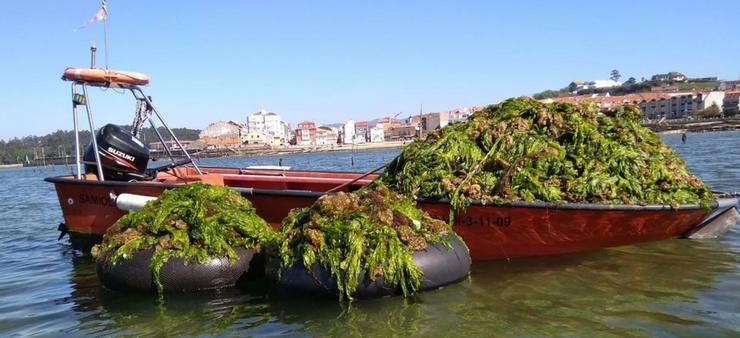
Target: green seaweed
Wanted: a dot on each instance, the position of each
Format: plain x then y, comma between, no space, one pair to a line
372,230
195,222
526,150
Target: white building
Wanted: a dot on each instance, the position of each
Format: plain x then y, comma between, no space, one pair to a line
713,98
222,133
377,134
348,132
670,76
459,115
286,131
326,136
267,122
728,85
430,121
576,86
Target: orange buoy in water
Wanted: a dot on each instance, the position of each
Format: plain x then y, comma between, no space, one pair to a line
107,76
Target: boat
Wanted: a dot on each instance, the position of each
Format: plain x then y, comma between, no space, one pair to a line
93,199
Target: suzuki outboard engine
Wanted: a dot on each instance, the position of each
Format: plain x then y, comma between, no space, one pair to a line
123,156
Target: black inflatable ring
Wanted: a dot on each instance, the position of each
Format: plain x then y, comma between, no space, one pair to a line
439,265
176,276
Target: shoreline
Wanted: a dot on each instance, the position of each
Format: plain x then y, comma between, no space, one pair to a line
229,152
726,125
695,126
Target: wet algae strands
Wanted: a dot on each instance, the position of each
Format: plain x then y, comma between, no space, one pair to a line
526,150
195,222
372,230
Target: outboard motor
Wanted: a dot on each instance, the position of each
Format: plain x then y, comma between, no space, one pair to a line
123,156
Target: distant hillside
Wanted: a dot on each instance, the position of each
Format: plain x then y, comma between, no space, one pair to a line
548,94
626,88
61,142
632,86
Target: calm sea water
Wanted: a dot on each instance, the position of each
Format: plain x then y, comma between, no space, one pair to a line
668,288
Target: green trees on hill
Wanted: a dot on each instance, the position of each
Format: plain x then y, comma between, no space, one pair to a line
548,94
615,76
61,143
626,88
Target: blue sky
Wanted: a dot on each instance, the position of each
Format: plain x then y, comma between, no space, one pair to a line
330,61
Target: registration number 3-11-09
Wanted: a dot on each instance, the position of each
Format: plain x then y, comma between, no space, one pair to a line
489,221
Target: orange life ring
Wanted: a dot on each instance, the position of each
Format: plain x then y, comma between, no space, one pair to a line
105,76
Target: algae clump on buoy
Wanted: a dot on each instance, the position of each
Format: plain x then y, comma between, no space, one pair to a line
372,232
194,222
526,150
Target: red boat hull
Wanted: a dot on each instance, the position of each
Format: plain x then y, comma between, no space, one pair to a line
498,232
491,232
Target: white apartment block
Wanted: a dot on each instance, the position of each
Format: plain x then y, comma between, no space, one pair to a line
348,132
267,122
377,134
681,105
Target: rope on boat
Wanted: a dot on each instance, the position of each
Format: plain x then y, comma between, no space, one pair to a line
356,179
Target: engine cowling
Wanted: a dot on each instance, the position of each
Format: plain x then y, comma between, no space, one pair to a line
122,156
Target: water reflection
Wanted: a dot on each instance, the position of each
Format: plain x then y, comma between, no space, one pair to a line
627,291
111,313
620,291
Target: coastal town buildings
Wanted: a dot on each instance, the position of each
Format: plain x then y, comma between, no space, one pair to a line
326,136
377,134
305,134
222,134
287,132
430,121
171,144
673,96
401,132
309,135
655,105
348,132
729,85
682,105
668,77
362,132
387,122
354,132
731,100
579,85
268,123
460,114
255,137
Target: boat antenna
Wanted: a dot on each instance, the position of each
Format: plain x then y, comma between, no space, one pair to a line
104,4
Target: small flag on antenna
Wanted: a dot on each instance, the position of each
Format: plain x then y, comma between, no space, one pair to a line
99,15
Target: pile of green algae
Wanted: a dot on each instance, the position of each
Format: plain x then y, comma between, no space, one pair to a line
526,150
195,222
373,230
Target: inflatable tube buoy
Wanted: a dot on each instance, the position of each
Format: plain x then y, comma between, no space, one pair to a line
177,276
439,265
96,75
